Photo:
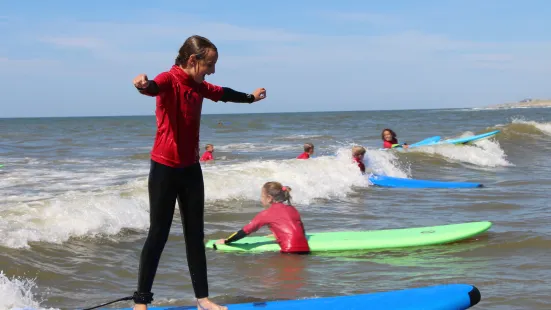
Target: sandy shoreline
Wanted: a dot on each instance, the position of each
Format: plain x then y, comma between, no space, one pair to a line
534,103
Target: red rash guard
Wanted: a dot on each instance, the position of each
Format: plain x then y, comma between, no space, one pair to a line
360,163
284,221
388,144
303,156
207,156
178,113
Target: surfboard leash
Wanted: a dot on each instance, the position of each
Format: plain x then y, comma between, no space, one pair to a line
111,302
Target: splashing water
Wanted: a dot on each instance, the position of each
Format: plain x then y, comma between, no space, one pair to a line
16,294
486,152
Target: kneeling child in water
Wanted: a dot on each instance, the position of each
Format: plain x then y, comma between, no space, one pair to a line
282,218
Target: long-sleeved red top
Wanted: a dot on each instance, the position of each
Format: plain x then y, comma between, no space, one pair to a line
207,156
389,144
285,223
178,113
360,163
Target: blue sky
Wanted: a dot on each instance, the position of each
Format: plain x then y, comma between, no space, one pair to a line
78,58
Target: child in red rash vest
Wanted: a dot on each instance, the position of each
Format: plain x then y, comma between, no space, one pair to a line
308,151
389,139
207,156
283,220
358,153
175,173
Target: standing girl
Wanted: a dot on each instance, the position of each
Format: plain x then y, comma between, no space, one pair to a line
175,171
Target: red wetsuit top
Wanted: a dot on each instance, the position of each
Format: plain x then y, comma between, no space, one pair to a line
178,113
284,221
360,163
304,155
388,144
207,156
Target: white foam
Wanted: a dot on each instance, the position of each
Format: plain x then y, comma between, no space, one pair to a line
71,215
65,204
486,152
386,163
256,147
543,127
16,293
300,136
45,202
42,180
319,177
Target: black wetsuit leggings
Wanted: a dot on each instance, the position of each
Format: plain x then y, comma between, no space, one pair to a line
165,185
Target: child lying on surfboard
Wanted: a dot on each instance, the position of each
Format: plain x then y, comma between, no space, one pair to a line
282,218
390,140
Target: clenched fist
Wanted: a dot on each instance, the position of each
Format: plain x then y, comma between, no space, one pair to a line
259,94
141,81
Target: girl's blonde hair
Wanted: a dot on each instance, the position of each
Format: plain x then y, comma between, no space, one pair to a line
278,192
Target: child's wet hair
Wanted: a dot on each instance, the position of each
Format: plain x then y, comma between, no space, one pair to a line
208,145
278,192
308,147
194,45
392,133
358,150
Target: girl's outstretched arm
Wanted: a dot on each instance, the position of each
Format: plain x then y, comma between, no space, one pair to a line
233,237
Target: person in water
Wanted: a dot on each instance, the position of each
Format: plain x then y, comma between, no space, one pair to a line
390,139
358,153
175,171
308,151
282,218
207,156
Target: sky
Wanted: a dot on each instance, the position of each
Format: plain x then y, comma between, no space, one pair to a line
78,58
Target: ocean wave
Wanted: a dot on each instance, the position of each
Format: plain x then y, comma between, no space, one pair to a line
78,211
485,153
16,293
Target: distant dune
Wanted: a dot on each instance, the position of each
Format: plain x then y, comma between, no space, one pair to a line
526,103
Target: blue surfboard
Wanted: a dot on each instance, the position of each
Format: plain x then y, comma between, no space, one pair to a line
386,181
439,297
436,140
471,138
427,141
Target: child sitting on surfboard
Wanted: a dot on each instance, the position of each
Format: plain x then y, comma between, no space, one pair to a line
282,218
389,139
207,156
358,153
308,151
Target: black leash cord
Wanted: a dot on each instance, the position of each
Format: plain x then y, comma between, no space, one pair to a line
111,302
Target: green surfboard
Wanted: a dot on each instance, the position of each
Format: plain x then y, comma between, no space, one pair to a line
364,240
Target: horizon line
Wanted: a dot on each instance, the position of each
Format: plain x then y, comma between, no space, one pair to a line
288,112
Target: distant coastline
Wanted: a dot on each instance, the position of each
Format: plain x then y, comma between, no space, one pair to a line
526,103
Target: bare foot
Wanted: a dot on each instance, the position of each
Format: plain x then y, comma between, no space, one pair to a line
206,304
140,307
